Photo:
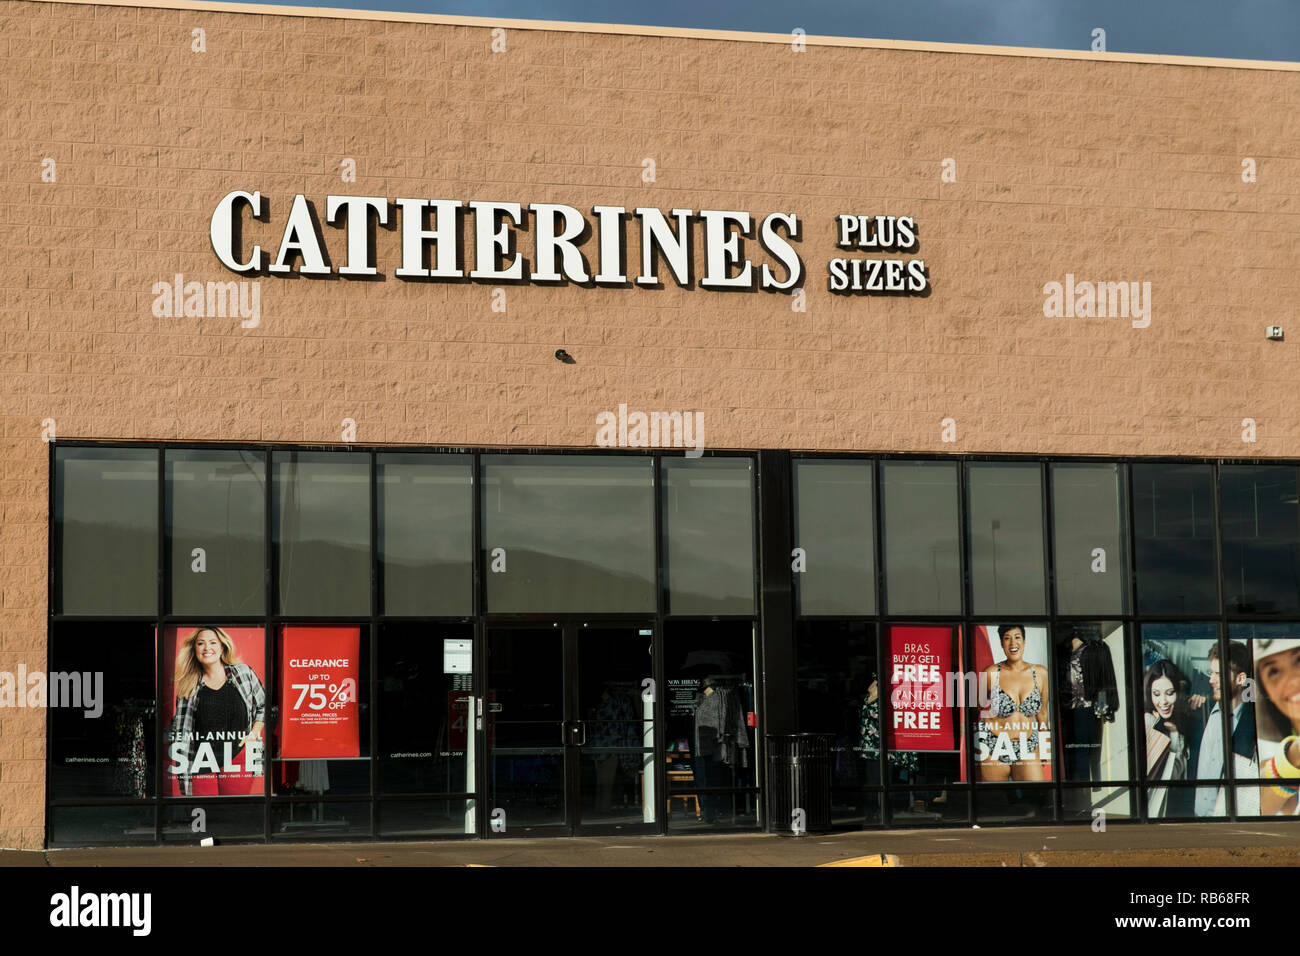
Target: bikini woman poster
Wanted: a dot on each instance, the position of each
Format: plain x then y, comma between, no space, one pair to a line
1013,738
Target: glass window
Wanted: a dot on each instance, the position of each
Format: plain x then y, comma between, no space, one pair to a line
216,531
922,551
1088,506
1007,555
322,738
1092,692
711,728
322,532
835,527
709,535
426,534
1264,714
1173,532
838,691
1014,734
1260,510
925,712
106,526
565,533
215,713
426,725
1175,707
101,701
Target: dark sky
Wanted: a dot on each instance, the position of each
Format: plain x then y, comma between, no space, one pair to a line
1247,29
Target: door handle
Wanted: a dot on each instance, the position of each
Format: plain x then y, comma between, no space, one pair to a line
582,725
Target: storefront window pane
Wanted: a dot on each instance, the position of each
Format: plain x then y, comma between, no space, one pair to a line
1014,736
426,725
835,528
1264,714
1173,531
708,521
568,534
1006,538
1092,689
216,531
922,550
215,711
106,525
1088,507
322,532
925,711
103,724
839,694
1177,698
1260,510
426,534
322,740
710,732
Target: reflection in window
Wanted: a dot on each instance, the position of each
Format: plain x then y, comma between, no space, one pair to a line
1088,507
568,533
1173,531
835,528
1260,512
426,534
1006,538
922,554
322,532
106,526
216,531
708,520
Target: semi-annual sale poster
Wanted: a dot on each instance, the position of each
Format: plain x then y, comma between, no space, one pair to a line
214,690
318,692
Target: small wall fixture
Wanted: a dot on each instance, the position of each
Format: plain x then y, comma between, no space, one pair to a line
564,357
1274,332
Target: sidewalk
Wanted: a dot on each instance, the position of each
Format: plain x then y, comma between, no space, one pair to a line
1263,843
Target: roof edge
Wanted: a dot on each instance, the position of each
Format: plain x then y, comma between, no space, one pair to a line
562,26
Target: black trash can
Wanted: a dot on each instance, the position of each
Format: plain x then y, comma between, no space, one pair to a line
799,783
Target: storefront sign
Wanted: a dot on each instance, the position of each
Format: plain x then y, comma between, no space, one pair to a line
318,692
432,233
920,658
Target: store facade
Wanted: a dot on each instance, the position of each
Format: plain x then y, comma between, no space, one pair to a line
423,428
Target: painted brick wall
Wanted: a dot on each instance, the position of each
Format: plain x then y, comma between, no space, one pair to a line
1110,171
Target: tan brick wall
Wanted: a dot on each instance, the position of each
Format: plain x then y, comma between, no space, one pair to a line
1110,171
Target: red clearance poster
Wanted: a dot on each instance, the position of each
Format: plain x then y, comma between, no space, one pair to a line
919,662
318,692
214,693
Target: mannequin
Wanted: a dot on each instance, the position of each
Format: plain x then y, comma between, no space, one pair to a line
721,740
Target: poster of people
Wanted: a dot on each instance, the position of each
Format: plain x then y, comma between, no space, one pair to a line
1013,738
1266,707
215,698
318,692
1184,702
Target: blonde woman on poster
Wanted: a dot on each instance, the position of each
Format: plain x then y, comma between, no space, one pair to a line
220,713
1013,725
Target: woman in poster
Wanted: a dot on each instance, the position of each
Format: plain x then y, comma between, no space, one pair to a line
1277,717
1017,694
1168,719
220,702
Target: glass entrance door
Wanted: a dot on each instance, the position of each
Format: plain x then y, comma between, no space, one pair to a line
570,721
